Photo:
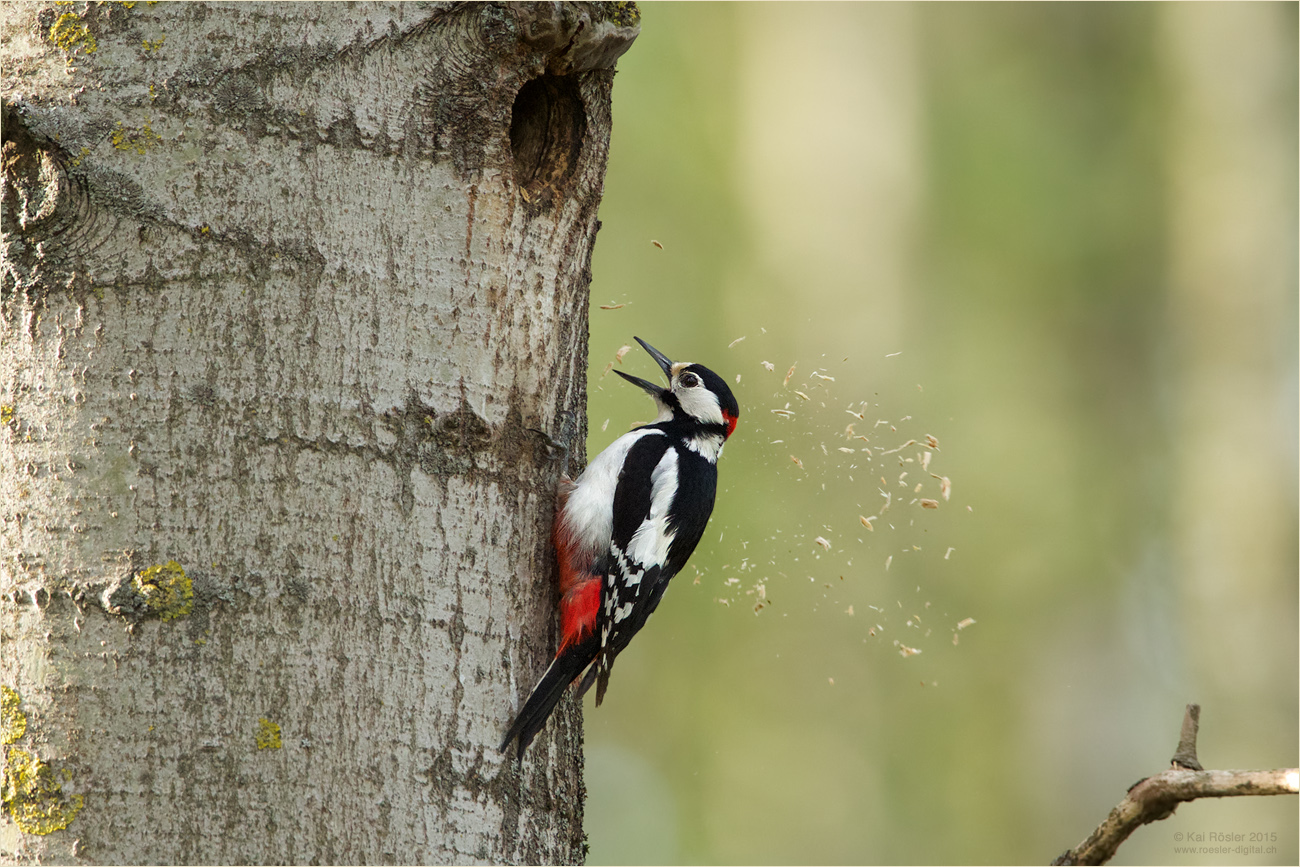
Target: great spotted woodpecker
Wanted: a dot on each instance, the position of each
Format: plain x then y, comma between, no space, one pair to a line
627,526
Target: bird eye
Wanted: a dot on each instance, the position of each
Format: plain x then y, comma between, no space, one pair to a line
689,380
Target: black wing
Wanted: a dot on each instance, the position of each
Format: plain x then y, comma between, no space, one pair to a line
631,590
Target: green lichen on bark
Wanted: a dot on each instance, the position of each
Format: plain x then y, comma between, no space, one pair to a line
32,794
13,722
624,14
139,140
268,735
167,592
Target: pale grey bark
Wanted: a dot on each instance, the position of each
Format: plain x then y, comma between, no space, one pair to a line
287,290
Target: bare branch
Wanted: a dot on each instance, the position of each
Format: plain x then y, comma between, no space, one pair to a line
1156,798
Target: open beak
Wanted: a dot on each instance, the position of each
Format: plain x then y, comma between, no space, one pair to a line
662,360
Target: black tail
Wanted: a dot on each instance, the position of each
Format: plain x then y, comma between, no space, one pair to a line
548,692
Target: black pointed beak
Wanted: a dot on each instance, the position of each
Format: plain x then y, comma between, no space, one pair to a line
662,360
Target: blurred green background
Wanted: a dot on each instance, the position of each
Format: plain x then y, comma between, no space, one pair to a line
1062,240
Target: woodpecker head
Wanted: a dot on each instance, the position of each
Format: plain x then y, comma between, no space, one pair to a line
694,393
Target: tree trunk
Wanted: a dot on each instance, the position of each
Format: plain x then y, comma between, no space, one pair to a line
289,292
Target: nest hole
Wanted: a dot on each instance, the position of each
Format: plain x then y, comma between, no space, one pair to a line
547,128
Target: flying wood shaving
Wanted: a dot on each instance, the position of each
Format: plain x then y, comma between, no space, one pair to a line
945,485
734,342
929,504
969,621
797,462
893,354
825,543
854,414
905,651
612,306
789,373
656,243
783,412
932,442
866,522
804,396
622,352
925,460
822,376
608,368
769,365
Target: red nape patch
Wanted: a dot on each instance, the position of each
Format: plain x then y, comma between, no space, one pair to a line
731,422
578,609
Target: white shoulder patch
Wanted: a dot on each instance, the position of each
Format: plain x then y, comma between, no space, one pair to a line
649,545
589,510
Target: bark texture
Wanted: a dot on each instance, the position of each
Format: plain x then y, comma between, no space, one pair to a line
287,291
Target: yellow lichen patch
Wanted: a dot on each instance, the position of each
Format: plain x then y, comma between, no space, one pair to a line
69,32
32,794
8,413
166,590
138,140
13,722
154,44
626,14
268,735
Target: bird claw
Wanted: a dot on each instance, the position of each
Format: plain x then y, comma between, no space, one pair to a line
563,442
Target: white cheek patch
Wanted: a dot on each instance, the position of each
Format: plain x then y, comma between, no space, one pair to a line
699,403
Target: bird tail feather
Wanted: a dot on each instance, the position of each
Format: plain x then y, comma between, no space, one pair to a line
563,670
